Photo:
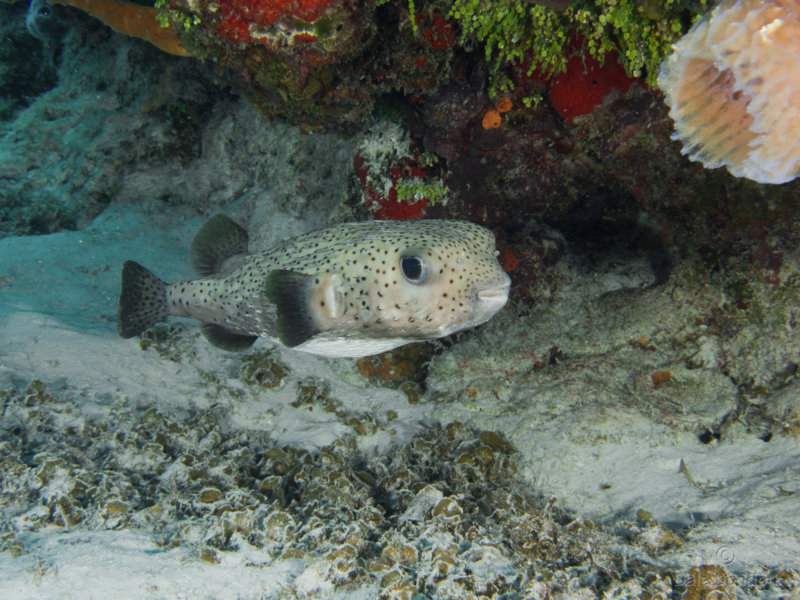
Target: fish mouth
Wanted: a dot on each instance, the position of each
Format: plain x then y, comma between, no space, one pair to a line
489,302
494,294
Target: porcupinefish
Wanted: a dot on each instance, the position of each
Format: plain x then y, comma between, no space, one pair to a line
352,290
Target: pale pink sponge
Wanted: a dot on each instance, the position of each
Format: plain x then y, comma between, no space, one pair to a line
733,87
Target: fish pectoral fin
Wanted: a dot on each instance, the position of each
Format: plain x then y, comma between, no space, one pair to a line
334,296
289,291
218,240
226,339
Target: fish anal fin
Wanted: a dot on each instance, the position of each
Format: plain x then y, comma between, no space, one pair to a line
218,240
223,338
289,291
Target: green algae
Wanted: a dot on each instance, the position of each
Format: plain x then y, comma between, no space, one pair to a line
518,32
417,189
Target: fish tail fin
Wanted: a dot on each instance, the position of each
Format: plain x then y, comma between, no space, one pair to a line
142,300
218,240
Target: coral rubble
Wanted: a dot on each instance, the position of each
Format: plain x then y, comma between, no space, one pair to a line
426,519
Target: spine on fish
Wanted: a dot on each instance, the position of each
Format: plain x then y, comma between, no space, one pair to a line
142,301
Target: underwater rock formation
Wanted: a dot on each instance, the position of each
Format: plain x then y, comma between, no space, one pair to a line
319,64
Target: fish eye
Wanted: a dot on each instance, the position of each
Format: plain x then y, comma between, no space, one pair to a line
414,269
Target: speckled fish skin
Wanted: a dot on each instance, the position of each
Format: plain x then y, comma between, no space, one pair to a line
350,290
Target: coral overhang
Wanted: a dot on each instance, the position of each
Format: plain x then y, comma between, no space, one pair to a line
261,14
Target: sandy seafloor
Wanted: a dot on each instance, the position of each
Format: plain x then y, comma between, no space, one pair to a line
568,384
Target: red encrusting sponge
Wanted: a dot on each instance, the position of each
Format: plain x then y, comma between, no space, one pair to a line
585,83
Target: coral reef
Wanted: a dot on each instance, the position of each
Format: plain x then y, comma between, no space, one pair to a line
396,179
323,63
319,64
494,167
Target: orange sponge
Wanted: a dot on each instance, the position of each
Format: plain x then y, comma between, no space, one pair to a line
733,83
133,20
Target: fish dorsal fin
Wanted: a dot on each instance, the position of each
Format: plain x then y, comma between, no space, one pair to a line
227,340
218,240
289,292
